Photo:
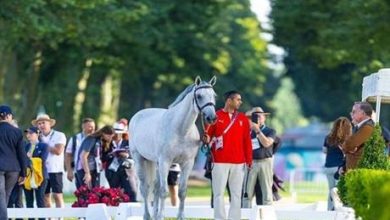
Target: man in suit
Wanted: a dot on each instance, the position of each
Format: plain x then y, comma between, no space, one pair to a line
364,127
12,157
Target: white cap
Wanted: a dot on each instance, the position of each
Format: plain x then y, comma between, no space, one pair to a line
119,128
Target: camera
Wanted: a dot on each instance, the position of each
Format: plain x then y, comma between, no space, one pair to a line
128,163
255,118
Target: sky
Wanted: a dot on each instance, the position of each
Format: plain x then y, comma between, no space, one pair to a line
261,8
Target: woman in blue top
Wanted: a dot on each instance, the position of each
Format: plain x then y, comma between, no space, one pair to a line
119,171
341,130
36,149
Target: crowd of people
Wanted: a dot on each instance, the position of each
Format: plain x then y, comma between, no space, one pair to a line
34,163
242,149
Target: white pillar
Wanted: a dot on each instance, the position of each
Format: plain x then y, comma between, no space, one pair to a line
378,108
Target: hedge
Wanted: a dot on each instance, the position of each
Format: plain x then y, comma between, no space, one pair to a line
373,157
369,193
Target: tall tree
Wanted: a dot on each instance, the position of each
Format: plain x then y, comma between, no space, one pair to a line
330,46
137,54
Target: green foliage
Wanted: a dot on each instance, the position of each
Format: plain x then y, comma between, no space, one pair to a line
373,155
368,192
155,47
373,158
379,198
342,189
359,187
327,54
356,182
283,117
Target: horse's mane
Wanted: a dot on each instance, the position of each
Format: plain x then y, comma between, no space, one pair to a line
184,94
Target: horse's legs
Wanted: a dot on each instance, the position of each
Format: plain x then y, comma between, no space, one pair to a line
156,198
186,168
142,166
163,167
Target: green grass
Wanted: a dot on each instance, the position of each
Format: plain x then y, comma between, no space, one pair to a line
200,191
69,198
204,190
192,191
307,192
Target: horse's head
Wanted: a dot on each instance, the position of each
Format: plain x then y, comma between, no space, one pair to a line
204,98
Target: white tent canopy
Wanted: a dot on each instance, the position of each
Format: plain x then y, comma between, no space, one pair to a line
376,88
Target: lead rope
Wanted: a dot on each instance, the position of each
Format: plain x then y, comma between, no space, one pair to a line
206,149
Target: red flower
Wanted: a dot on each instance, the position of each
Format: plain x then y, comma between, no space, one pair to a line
111,197
126,198
105,200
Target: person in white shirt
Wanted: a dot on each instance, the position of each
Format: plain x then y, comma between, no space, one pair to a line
55,161
72,148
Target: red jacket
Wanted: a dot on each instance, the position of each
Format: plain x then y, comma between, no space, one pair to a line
237,144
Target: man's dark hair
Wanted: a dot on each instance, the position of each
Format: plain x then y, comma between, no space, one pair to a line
230,94
86,120
365,107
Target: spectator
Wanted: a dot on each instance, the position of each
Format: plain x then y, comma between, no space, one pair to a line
89,162
363,128
56,141
36,149
72,149
173,183
341,130
117,160
262,152
231,150
12,157
130,171
16,198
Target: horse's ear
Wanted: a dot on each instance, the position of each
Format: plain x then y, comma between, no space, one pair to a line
197,80
213,80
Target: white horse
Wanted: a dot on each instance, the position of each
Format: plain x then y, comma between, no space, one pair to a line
160,137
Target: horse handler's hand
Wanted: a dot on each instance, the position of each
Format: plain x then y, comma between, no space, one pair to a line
206,138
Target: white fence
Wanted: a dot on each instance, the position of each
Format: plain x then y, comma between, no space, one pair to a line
308,181
127,211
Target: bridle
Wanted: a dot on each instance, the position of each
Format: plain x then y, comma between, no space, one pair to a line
205,147
200,108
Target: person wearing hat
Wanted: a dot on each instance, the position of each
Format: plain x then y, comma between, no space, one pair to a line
72,149
56,141
118,169
36,150
12,157
262,149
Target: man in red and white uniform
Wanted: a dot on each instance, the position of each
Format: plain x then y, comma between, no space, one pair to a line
231,151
